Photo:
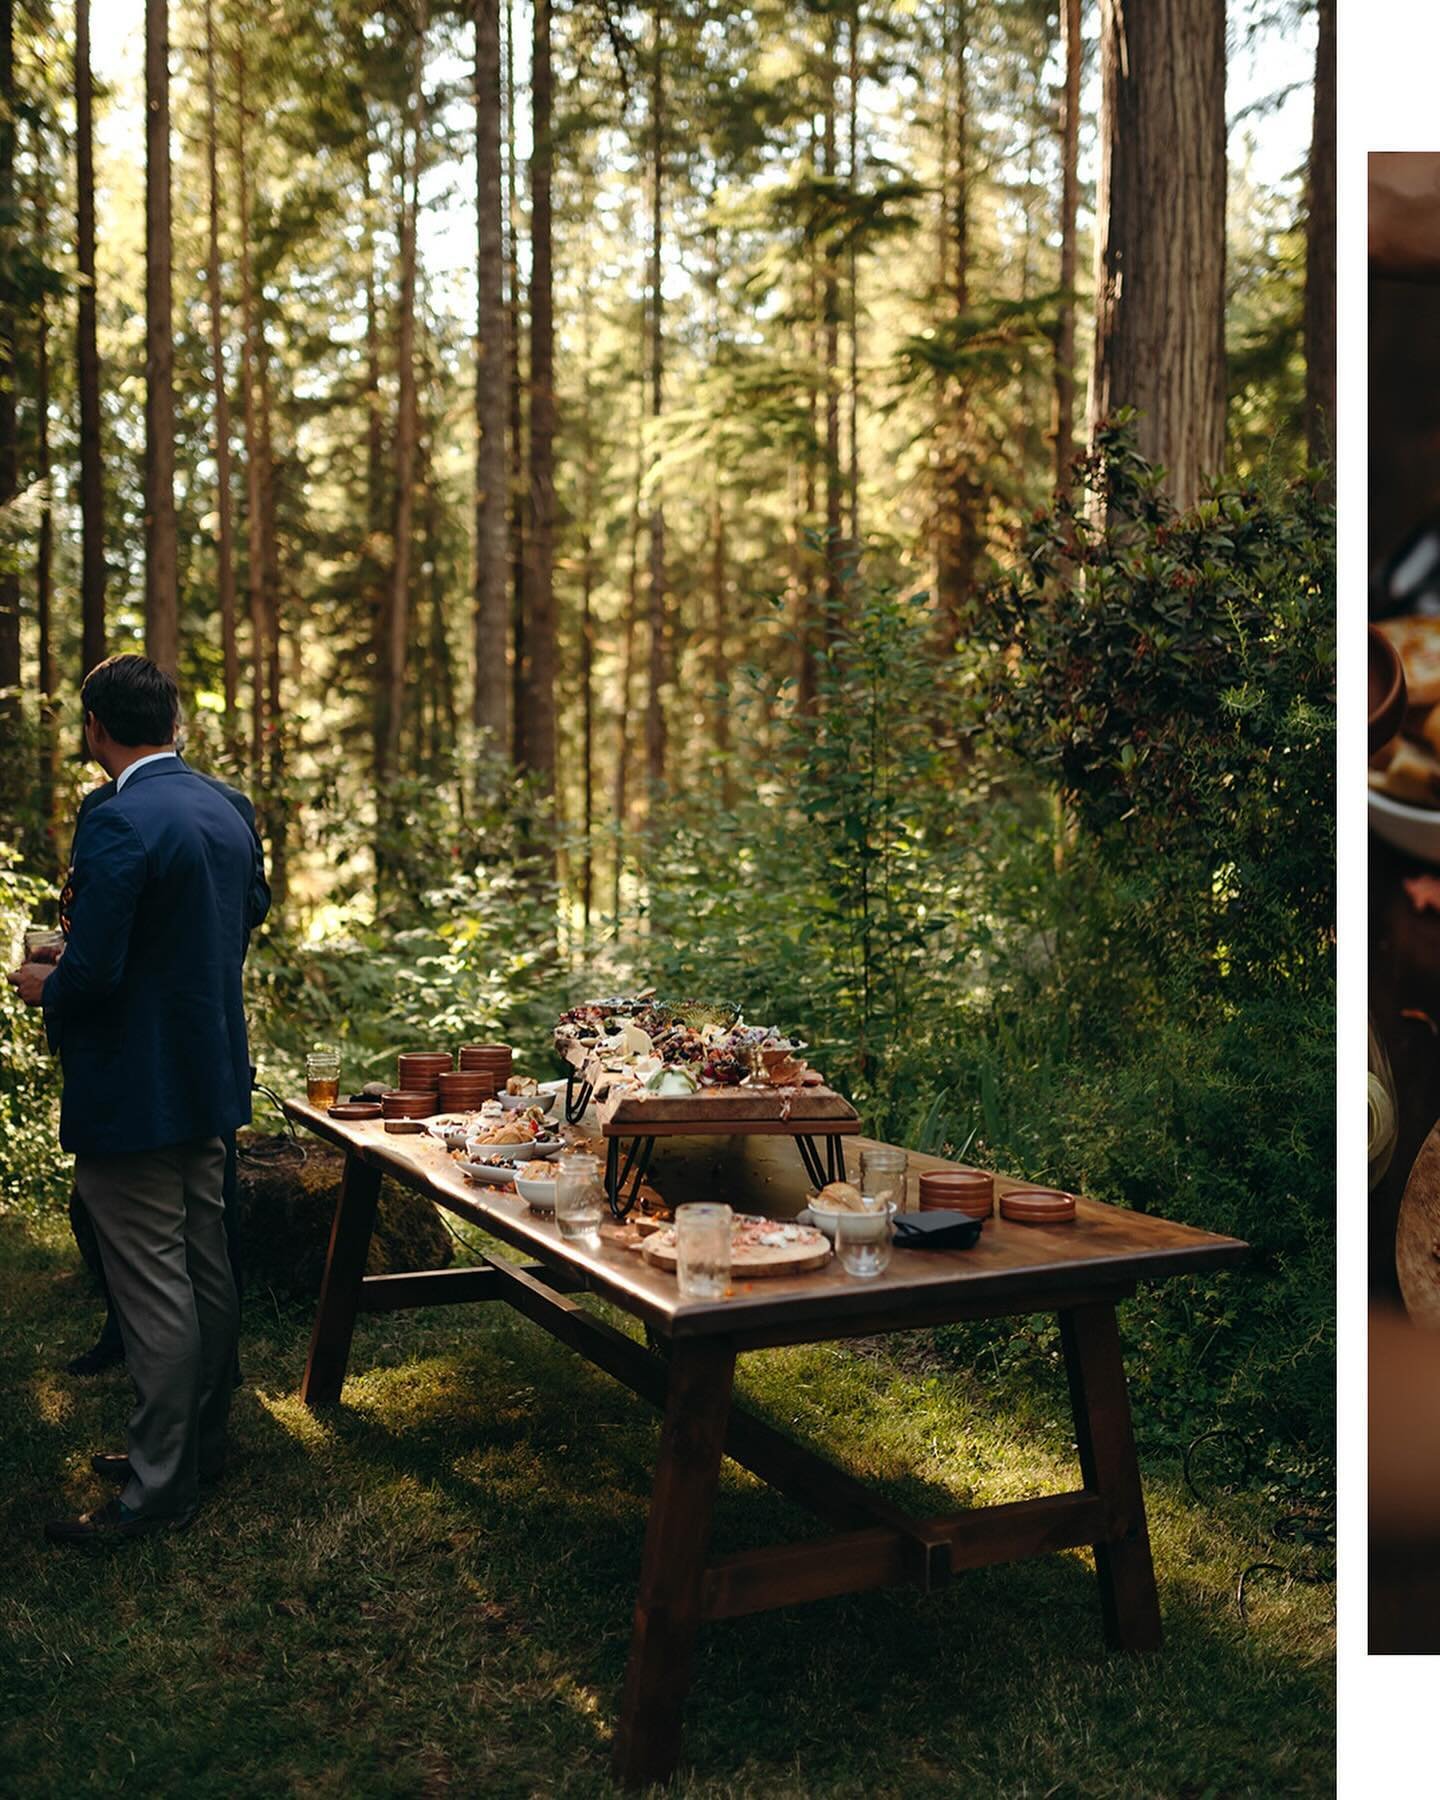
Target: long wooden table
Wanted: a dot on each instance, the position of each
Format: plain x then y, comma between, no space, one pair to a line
1077,1271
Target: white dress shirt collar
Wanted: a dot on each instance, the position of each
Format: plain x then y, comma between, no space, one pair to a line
125,774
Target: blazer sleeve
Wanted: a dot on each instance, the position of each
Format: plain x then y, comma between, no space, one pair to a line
259,899
108,878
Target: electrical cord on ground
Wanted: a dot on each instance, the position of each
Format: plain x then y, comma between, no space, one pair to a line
1312,1527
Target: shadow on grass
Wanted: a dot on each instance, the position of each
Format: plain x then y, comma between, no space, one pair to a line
429,1587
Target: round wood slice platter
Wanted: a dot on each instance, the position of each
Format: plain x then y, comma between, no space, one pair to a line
751,1262
1417,1236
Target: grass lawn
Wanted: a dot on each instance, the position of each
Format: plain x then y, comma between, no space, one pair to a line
428,1589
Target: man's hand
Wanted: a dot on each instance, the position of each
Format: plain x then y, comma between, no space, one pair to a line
29,979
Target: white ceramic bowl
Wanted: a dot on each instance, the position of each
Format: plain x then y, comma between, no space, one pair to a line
540,1195
1413,829
545,1147
823,1218
518,1102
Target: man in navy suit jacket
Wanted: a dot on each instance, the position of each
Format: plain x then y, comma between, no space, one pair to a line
109,1348
145,1011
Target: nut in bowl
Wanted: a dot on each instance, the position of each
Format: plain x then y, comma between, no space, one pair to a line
537,1187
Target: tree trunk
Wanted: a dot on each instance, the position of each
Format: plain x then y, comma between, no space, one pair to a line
1073,51
162,597
48,762
630,628
254,486
225,547
87,358
491,695
519,664
655,734
853,482
277,812
1320,255
10,778
1160,294
960,497
834,478
540,572
398,610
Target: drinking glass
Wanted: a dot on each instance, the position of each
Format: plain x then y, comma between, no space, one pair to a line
882,1174
322,1077
702,1245
863,1239
579,1200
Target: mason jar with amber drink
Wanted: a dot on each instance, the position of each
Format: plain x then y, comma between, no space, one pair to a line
322,1078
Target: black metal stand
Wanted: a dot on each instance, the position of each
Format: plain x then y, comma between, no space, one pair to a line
636,1164
637,1158
577,1097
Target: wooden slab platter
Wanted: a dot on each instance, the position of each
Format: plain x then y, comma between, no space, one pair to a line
712,1112
751,1262
1417,1236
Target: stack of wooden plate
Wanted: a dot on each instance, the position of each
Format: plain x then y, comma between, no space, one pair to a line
398,1103
968,1191
465,1090
418,1069
1037,1206
495,1060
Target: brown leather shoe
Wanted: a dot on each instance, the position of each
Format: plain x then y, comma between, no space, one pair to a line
111,1523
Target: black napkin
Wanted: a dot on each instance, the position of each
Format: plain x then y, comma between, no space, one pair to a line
937,1231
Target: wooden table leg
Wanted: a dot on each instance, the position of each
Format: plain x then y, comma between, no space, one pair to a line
1128,1602
677,1540
340,1285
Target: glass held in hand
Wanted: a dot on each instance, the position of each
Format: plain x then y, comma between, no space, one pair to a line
882,1174
579,1200
863,1240
322,1077
703,1232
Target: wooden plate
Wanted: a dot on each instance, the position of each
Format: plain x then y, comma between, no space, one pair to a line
356,1109
1417,1233
1037,1206
752,1262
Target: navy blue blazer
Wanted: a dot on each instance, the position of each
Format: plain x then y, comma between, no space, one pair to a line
145,1007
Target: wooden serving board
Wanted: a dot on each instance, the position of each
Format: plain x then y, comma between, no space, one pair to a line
716,1111
752,1262
1417,1233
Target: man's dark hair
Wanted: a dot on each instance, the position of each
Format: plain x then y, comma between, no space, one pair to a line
134,699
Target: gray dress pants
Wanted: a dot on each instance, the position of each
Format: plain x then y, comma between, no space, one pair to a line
159,1217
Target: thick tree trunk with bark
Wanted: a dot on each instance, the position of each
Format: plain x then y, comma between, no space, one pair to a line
853,274
162,596
225,546
1073,52
87,359
655,728
1160,233
960,497
491,688
540,571
277,812
1320,253
9,443
397,622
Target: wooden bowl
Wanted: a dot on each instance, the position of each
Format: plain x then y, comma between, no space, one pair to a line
969,1191
1385,687
1037,1206
408,1103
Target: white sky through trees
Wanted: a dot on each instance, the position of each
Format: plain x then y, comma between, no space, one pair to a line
1271,66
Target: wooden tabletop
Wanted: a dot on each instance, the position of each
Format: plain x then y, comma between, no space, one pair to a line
1014,1268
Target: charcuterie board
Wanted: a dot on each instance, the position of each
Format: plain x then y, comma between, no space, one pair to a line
805,1249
